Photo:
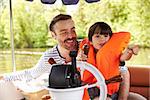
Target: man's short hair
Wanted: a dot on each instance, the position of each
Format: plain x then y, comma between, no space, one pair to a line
58,18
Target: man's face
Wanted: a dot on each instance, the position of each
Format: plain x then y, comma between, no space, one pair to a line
65,34
99,40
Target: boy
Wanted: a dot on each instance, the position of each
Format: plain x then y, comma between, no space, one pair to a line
105,52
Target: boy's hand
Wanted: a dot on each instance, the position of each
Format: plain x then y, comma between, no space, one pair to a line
131,49
81,56
135,49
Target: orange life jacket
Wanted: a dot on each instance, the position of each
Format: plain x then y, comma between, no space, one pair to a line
107,59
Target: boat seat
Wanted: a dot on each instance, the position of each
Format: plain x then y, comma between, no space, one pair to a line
139,80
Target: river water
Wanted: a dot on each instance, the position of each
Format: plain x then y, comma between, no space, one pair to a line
27,58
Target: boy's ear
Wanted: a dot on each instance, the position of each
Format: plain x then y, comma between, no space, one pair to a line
90,42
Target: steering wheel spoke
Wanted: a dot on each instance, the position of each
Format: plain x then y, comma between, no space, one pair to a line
99,77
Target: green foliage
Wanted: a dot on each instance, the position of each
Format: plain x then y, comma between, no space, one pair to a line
4,30
31,20
30,24
3,4
139,21
3,38
81,21
121,15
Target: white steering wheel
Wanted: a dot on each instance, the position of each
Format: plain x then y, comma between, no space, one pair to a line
62,94
99,77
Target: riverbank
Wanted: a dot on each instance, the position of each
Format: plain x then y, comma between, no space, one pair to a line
27,58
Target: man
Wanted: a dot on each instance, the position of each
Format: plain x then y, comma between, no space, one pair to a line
62,28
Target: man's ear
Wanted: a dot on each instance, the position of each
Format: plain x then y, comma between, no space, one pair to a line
53,34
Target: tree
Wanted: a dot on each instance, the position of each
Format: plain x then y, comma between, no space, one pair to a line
30,23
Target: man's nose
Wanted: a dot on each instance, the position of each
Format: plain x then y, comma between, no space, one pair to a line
71,34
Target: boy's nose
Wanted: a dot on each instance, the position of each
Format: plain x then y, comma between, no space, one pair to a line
102,37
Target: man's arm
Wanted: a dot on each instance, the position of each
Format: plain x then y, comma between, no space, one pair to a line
27,74
1,77
124,86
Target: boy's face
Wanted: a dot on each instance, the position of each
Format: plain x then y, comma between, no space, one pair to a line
99,40
65,34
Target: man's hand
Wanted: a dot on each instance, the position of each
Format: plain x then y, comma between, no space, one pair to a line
108,98
46,97
1,77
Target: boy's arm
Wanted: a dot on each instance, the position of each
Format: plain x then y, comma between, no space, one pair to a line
125,84
131,49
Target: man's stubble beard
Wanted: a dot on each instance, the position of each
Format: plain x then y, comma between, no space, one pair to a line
73,47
